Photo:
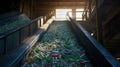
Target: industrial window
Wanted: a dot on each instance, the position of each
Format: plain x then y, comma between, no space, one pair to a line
61,13
79,14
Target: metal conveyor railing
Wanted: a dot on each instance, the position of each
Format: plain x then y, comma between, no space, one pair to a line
98,55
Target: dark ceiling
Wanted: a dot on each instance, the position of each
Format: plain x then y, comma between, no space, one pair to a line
9,5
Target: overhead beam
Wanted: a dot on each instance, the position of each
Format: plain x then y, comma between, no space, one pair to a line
61,3
62,0
44,7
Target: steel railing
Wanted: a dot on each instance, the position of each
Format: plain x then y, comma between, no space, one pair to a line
98,55
13,38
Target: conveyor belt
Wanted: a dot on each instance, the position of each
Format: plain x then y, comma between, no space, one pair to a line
57,48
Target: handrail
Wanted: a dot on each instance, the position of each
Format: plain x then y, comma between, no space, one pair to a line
14,59
14,30
20,34
99,56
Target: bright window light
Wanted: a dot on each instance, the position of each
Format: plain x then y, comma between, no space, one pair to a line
61,13
80,9
79,13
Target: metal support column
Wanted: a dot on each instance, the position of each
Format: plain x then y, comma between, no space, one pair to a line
89,1
31,9
22,6
86,17
99,23
5,41
74,13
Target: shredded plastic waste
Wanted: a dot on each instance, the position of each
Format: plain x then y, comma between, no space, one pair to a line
58,48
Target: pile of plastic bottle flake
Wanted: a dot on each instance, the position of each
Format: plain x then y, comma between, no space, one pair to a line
57,48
